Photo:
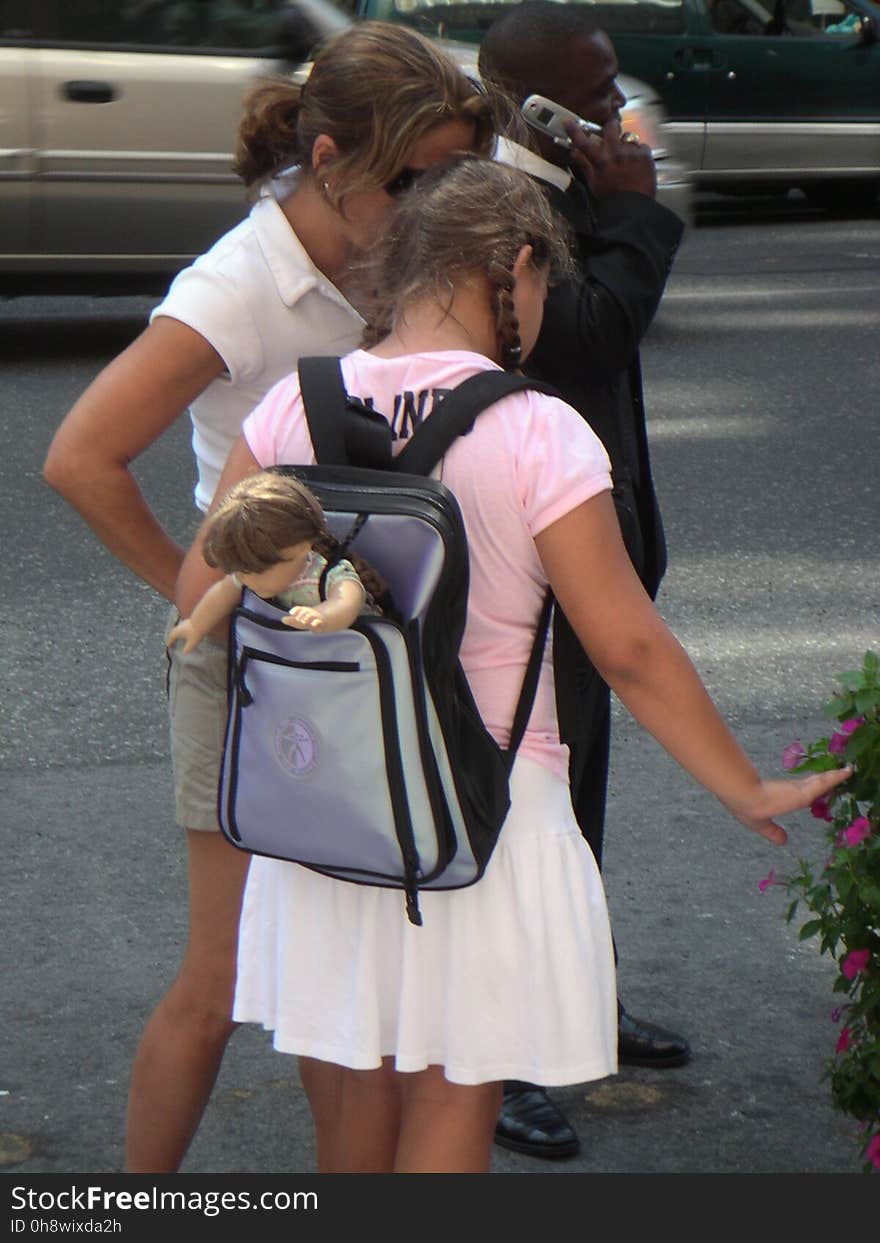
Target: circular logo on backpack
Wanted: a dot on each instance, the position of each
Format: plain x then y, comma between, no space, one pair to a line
296,746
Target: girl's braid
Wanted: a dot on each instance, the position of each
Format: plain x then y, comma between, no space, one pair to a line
505,316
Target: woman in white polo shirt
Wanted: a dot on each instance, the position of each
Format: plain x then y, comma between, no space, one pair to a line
327,160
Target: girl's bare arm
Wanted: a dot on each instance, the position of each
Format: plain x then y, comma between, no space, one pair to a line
650,672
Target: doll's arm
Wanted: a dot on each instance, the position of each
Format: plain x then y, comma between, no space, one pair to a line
344,602
215,605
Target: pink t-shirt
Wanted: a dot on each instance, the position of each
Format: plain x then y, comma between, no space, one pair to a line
529,460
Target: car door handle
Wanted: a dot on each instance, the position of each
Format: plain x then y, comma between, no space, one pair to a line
86,91
700,59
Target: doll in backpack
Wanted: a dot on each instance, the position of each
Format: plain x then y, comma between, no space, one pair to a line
269,534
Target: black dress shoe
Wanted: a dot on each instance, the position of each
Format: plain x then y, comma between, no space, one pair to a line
645,1044
530,1122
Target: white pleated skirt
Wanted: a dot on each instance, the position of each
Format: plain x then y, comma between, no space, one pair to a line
511,978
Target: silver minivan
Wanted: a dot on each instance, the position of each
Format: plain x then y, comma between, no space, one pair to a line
117,123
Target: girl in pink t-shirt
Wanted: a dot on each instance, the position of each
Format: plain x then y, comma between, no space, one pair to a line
513,977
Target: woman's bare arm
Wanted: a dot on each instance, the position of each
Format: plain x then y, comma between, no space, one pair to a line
126,408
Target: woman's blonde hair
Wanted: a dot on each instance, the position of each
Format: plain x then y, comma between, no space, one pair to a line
467,215
375,88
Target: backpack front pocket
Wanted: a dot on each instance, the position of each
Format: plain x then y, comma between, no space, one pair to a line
313,772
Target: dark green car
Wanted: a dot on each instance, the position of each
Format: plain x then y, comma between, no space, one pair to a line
759,94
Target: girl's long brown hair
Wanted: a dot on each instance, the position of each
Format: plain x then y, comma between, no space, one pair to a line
469,215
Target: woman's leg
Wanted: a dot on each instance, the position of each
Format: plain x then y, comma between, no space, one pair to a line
183,1043
445,1128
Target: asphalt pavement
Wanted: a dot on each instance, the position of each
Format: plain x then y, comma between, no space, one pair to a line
772,587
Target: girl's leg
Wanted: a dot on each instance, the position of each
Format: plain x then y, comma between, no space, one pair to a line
322,1082
445,1128
382,1121
183,1043
368,1120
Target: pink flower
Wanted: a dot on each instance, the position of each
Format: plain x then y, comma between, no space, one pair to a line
843,1041
872,1152
821,808
769,879
841,736
793,754
854,962
857,832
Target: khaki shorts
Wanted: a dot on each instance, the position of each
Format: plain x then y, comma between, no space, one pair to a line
197,717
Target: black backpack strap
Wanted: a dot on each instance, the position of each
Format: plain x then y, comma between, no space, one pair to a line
340,553
343,430
526,700
455,415
325,401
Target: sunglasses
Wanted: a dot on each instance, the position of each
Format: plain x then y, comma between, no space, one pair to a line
402,182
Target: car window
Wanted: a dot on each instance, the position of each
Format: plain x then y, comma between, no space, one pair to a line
20,22
615,16
798,18
198,25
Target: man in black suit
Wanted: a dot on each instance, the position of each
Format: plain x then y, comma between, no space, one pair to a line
589,350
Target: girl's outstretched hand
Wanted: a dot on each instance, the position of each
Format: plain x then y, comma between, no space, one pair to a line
779,796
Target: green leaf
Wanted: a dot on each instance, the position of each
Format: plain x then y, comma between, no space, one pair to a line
844,881
852,679
872,665
862,740
789,914
818,764
866,701
810,929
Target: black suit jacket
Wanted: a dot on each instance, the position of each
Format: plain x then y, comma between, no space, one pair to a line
588,349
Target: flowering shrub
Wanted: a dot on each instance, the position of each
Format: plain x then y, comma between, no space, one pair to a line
844,893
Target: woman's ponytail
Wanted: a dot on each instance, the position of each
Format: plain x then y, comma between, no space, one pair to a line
268,139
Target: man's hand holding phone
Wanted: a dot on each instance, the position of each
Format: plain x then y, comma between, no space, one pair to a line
613,162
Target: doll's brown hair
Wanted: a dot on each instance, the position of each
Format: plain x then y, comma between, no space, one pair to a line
375,88
467,215
265,513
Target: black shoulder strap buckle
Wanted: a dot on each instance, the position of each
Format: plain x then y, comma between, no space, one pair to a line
344,431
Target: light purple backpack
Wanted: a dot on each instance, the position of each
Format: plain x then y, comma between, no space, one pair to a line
361,753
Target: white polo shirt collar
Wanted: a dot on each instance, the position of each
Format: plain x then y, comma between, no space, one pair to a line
291,268
512,154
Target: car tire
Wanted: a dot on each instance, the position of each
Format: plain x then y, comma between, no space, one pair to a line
844,197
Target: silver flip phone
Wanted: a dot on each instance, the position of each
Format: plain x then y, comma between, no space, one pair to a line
548,117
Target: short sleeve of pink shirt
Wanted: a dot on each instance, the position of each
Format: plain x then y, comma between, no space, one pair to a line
559,462
276,430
